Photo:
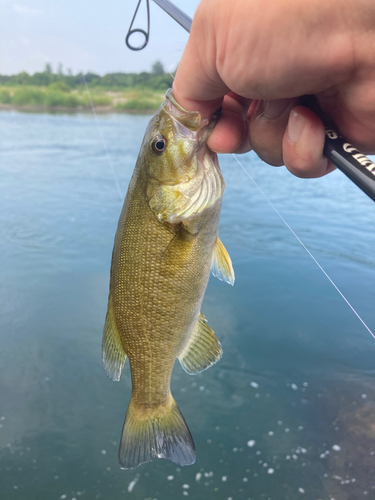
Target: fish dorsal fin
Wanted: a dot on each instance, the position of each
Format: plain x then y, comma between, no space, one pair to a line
221,265
113,353
202,350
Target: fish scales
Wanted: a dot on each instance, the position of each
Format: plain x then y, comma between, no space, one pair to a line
158,310
165,243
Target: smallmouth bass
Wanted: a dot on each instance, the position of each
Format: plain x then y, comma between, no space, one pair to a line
165,245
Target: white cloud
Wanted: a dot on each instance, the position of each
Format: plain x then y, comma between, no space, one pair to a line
26,11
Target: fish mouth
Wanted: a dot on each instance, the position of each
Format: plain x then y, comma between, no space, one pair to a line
191,119
197,127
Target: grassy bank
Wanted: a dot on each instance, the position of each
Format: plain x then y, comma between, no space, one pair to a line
60,96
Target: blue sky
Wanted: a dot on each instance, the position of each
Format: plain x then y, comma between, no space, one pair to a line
85,35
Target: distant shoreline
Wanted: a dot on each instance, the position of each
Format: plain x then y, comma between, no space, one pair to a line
48,92
73,110
60,98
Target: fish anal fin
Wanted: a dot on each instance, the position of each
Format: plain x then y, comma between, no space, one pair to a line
159,432
202,350
113,353
221,265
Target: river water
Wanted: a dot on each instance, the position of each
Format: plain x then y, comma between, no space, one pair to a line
289,411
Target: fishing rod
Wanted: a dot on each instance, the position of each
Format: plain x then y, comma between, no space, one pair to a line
354,164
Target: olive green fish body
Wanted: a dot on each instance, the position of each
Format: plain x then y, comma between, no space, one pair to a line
158,290
165,244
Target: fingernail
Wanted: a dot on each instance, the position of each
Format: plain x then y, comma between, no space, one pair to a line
296,125
275,108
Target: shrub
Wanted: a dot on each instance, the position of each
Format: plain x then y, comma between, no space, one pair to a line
53,99
139,104
101,100
23,78
59,86
5,97
29,96
41,79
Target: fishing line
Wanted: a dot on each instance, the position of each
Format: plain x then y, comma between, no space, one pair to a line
348,163
102,137
304,246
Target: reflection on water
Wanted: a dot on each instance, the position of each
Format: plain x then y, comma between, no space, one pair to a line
289,411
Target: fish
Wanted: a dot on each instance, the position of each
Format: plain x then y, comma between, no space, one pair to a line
166,243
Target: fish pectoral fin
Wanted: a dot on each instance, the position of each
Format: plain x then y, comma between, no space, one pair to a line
113,353
221,265
202,350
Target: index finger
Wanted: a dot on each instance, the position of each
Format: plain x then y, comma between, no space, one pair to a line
231,132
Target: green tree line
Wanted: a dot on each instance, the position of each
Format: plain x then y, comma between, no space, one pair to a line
156,80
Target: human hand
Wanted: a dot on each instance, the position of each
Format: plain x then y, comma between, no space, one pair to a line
256,63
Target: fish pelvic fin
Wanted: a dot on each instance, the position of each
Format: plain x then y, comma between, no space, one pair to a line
221,265
159,432
113,353
202,350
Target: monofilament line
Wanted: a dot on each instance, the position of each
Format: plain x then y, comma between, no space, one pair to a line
102,137
304,246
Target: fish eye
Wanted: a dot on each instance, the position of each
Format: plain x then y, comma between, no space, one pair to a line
159,144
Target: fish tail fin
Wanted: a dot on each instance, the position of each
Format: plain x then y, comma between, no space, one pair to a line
150,433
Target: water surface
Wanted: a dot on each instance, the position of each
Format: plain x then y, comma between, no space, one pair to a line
289,411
